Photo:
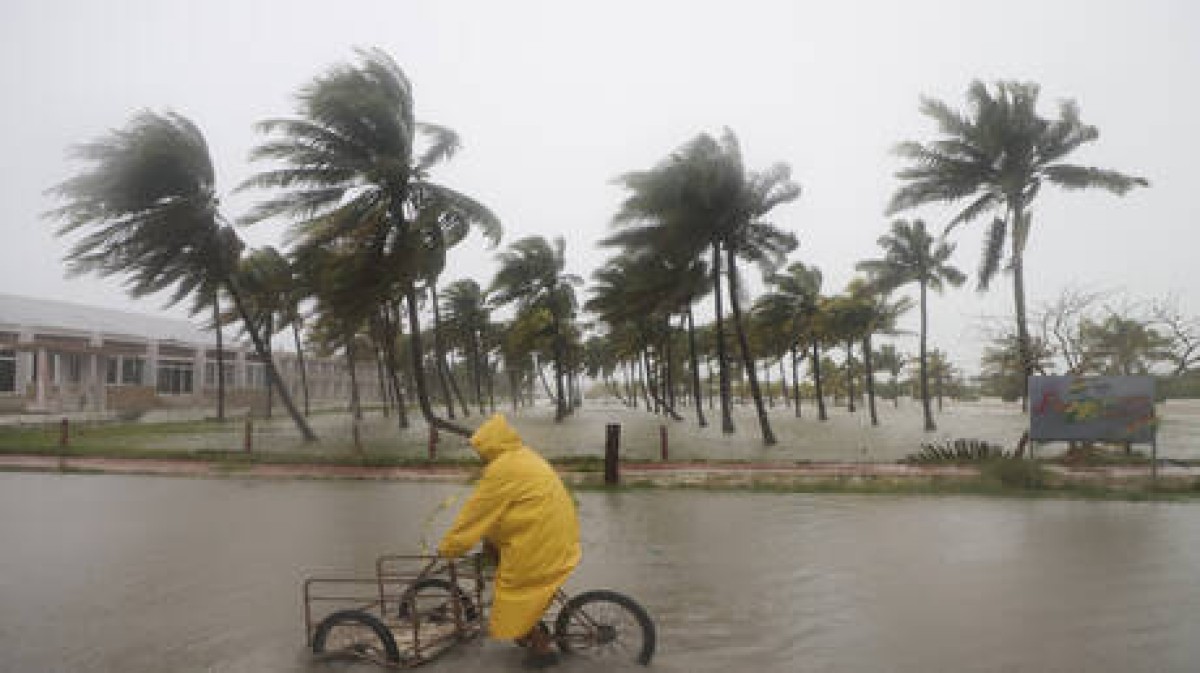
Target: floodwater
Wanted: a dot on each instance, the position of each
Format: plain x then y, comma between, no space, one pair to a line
143,574
843,437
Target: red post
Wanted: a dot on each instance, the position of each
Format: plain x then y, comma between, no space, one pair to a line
662,441
64,434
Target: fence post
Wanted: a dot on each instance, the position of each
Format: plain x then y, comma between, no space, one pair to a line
612,448
433,441
64,433
662,442
248,436
357,437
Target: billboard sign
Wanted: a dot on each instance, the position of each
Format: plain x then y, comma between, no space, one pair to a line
1097,408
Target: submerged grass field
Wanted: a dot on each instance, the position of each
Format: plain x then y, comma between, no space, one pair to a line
577,446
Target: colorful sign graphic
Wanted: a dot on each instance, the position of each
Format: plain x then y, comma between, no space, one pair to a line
1098,408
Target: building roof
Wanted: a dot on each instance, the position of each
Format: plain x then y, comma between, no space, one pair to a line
27,313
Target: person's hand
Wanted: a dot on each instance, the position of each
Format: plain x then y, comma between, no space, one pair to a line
490,553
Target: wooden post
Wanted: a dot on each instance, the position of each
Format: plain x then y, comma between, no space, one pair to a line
248,435
433,441
64,440
357,437
612,448
662,442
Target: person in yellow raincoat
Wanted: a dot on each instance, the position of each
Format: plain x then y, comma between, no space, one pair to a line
522,508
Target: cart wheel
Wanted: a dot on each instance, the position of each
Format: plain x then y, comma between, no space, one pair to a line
604,623
432,600
357,634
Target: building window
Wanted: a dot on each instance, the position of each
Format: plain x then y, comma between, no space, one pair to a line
8,372
256,375
132,371
210,374
175,377
124,370
71,367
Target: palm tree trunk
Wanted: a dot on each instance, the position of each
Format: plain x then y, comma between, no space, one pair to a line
764,423
381,373
389,325
477,370
439,359
300,362
272,373
414,322
850,375
722,359
669,369
930,426
783,396
1017,217
270,354
491,382
560,410
541,372
816,371
870,381
454,387
696,395
795,380
220,356
766,384
355,399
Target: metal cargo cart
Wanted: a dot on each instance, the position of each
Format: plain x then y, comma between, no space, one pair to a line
417,607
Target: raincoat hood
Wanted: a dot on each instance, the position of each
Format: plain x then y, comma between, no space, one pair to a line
495,437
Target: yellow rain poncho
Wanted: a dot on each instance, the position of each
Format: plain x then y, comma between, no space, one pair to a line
522,507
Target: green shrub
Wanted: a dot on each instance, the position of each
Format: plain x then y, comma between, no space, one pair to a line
1015,473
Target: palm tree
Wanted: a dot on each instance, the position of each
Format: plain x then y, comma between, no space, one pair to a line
893,362
355,176
644,292
878,316
148,209
468,319
701,197
999,154
795,301
532,275
912,256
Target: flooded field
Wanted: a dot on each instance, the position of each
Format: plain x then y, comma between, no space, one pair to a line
141,574
844,437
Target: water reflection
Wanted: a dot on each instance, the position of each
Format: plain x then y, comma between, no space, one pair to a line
153,574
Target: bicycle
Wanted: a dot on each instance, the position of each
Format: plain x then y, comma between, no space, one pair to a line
408,618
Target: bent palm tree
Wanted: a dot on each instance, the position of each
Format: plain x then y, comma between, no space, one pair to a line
532,275
912,256
356,178
999,154
148,210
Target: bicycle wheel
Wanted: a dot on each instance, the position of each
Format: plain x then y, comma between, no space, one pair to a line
357,634
432,599
603,623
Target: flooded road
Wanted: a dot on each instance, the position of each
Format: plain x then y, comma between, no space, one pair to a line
137,574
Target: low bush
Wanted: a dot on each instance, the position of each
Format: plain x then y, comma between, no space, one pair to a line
1015,473
958,450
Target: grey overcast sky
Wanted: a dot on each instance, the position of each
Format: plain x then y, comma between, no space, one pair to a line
553,99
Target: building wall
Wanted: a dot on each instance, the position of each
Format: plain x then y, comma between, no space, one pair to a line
48,370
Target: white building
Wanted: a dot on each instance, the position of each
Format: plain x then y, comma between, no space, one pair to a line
60,357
